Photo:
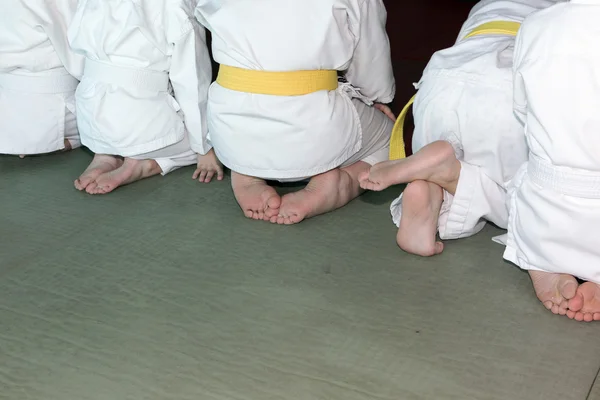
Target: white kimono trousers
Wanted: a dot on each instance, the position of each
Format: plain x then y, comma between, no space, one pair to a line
146,79
465,98
555,198
292,138
38,77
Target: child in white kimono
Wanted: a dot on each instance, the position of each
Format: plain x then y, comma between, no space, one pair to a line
470,144
141,105
467,140
555,197
38,76
277,110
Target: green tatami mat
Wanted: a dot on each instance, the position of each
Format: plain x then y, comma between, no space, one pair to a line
163,290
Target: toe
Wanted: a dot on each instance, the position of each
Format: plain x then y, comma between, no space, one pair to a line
568,288
91,188
576,302
548,304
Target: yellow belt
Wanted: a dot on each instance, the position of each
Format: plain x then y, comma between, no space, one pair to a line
397,148
291,83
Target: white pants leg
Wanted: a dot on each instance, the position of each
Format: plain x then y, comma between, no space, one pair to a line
71,131
172,157
477,199
376,133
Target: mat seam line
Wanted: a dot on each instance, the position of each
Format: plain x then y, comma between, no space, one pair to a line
593,385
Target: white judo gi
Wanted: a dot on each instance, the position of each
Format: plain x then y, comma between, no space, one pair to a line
555,198
38,77
465,98
290,138
147,71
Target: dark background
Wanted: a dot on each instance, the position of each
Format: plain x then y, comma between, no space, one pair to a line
417,29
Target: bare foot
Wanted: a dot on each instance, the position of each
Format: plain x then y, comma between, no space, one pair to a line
421,202
434,163
554,290
130,171
257,200
585,305
101,164
324,193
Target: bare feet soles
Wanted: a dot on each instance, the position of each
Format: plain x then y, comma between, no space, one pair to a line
324,193
585,305
130,171
256,199
435,163
101,164
421,202
554,290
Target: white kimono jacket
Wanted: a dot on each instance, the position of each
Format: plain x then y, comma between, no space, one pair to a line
38,74
287,138
466,98
555,198
146,77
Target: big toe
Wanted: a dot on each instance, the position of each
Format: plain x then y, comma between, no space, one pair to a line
568,287
273,203
576,303
590,292
91,187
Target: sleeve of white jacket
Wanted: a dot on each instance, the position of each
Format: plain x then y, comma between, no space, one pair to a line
519,94
371,67
56,23
191,75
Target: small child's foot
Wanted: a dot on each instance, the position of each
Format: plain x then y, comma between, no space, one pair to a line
554,290
101,164
324,193
315,198
434,163
257,200
130,171
421,202
585,305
